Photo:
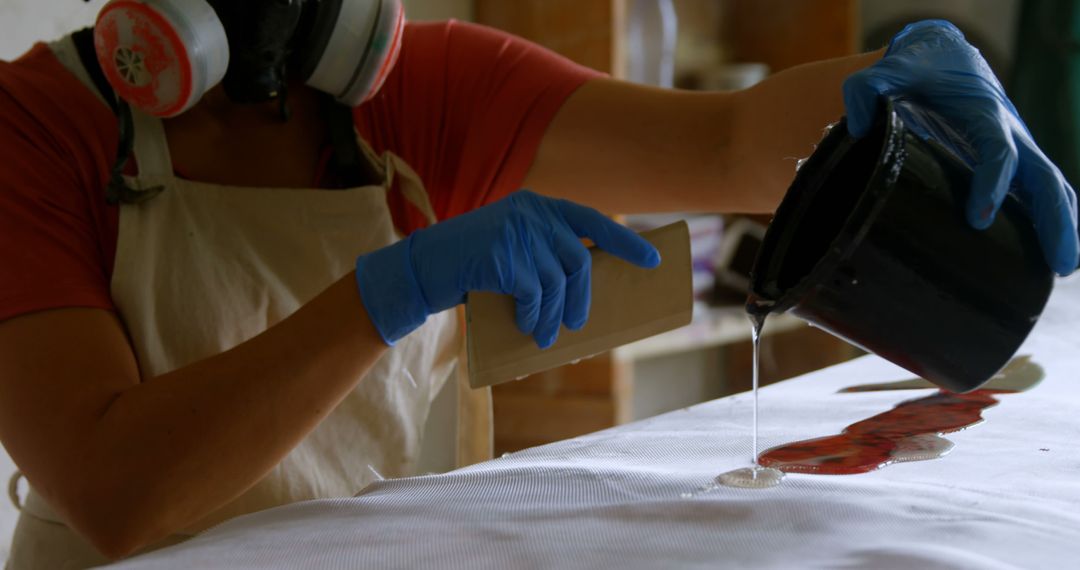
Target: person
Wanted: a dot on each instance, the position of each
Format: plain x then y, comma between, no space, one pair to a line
252,311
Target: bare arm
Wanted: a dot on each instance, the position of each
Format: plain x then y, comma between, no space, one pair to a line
152,457
627,148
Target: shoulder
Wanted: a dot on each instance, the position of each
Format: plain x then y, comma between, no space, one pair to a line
460,44
453,76
463,33
58,137
466,106
48,105
59,141
442,32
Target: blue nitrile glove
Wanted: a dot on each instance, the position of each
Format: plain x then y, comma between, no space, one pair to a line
525,245
930,63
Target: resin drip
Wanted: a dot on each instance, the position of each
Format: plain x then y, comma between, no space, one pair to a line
755,476
909,432
758,323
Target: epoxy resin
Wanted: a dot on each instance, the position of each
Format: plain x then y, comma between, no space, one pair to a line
909,432
756,476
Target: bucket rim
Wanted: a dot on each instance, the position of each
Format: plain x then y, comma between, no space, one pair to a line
808,181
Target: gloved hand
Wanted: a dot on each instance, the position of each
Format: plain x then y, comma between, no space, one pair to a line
525,245
932,64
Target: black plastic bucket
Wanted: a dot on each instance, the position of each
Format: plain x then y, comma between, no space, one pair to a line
871,244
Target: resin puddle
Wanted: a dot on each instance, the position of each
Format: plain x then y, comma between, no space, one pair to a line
911,431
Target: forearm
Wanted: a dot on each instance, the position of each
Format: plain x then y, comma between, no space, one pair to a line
626,148
777,122
174,448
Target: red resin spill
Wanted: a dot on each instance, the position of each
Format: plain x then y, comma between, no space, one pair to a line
908,432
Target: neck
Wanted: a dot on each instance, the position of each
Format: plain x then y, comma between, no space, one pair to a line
220,141
216,107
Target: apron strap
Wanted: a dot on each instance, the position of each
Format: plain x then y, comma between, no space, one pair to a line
394,168
474,433
151,148
410,185
34,505
76,53
13,490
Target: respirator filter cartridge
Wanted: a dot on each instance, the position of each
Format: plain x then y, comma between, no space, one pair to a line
161,55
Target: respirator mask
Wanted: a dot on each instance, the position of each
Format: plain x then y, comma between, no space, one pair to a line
162,56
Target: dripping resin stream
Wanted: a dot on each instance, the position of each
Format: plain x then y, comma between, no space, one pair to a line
756,476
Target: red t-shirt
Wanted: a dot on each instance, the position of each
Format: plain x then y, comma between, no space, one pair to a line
466,106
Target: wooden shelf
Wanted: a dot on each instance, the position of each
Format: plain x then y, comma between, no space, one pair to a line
786,33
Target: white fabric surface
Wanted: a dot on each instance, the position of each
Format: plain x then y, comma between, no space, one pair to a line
1006,497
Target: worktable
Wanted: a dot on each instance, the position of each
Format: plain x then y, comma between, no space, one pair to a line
1007,496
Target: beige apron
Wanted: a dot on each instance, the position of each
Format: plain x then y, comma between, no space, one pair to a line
201,268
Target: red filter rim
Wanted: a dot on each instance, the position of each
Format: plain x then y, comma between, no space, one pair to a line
392,56
162,50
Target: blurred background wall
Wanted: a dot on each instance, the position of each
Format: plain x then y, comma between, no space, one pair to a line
991,24
23,22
